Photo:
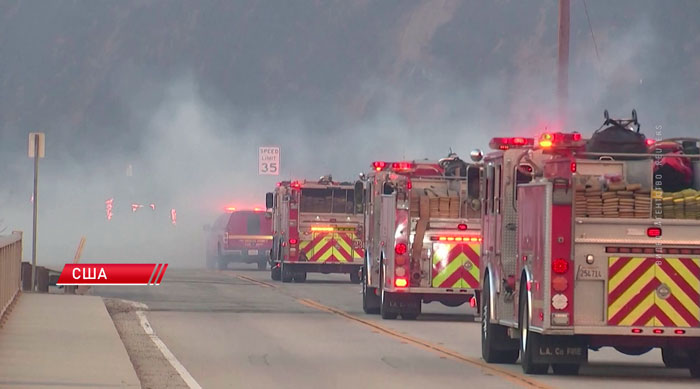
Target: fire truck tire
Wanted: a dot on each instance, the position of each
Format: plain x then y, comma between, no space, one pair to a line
370,300
674,358
565,368
275,273
529,341
300,277
384,307
496,345
355,276
287,274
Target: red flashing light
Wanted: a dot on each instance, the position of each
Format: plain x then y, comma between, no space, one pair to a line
256,209
653,232
401,282
409,185
462,227
679,332
401,166
230,209
560,265
573,167
401,248
296,184
507,143
293,241
650,142
637,330
472,302
576,136
658,331
378,165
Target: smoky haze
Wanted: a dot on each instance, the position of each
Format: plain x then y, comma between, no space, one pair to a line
185,93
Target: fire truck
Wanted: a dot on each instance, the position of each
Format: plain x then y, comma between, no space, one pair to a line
422,235
582,250
316,228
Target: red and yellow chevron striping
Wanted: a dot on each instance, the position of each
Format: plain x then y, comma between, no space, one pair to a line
654,291
456,265
331,247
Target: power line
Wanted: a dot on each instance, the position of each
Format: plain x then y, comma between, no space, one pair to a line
590,27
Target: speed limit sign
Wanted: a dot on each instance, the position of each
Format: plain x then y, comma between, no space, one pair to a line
269,160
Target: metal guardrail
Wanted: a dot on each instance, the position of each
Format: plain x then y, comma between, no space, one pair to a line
10,264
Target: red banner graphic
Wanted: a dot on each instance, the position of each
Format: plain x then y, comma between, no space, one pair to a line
112,274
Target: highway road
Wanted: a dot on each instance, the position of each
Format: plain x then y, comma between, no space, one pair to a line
237,328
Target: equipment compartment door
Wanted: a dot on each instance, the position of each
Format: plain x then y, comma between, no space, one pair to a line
659,292
319,248
347,247
455,265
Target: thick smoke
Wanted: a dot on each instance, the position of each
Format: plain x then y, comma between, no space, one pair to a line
195,151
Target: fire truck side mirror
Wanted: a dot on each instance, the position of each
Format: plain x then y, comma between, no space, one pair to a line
269,200
359,197
476,155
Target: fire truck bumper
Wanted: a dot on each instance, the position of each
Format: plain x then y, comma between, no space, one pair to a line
661,332
466,292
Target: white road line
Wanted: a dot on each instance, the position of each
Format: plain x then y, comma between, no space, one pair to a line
186,376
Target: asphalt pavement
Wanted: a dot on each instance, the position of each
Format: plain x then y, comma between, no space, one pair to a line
238,328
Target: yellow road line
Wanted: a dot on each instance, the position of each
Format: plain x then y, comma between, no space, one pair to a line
253,280
515,378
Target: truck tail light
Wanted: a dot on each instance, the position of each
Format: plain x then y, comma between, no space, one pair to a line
560,265
401,248
572,167
653,232
401,282
293,241
462,227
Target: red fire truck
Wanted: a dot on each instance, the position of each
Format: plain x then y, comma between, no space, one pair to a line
316,228
422,235
582,250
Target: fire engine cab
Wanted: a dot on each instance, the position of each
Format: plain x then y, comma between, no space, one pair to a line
316,228
582,249
422,235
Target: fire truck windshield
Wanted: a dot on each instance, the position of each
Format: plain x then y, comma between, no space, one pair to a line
327,200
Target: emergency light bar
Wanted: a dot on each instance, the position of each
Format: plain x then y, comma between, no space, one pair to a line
395,166
510,143
230,209
560,140
456,238
322,229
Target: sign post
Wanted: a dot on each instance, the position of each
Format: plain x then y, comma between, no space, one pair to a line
269,160
36,150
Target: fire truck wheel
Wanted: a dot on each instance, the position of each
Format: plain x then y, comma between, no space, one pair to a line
565,369
300,277
287,274
384,307
496,345
674,358
529,341
355,276
370,300
275,273
262,264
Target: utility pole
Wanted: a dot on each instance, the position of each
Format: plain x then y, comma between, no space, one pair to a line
36,151
563,59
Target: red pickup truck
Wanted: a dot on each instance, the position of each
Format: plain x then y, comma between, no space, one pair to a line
239,236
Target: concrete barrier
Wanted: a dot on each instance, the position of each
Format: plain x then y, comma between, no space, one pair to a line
10,262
